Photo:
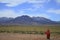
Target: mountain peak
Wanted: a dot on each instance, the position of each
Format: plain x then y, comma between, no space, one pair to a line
25,19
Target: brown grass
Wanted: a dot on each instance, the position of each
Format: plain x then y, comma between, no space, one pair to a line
17,36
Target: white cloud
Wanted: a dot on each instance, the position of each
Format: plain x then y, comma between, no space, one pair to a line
38,1
56,11
57,1
11,13
8,13
12,3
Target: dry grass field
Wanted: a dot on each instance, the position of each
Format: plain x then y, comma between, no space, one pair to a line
17,36
28,32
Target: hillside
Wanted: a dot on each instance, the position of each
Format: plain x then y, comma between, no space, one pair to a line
26,20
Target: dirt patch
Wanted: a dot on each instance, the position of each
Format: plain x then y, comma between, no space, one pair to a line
17,36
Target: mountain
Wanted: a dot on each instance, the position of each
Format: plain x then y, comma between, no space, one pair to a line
4,20
42,20
22,20
58,22
26,20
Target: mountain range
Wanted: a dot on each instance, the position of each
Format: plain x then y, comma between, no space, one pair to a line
26,20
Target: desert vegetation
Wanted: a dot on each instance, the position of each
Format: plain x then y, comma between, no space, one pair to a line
28,32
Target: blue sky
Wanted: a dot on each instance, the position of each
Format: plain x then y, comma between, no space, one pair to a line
43,8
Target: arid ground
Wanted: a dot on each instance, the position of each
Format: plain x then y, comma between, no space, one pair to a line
17,36
28,32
